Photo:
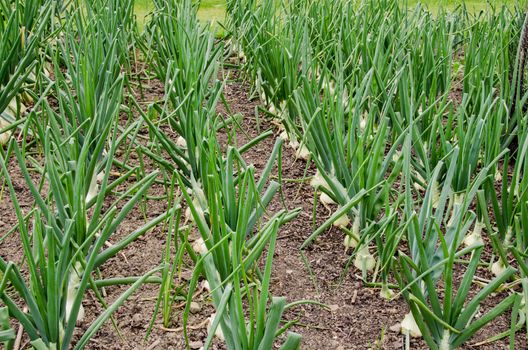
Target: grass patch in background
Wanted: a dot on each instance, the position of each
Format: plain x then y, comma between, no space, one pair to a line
142,9
210,10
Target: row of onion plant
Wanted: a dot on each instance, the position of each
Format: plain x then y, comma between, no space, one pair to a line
68,234
356,83
227,206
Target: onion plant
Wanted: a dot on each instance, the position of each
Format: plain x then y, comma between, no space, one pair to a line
237,12
449,323
356,80
469,135
68,236
507,205
278,52
274,40
231,222
7,334
114,21
434,236
520,249
198,119
370,38
90,89
22,29
172,265
178,40
187,59
424,120
507,232
351,151
489,63
66,240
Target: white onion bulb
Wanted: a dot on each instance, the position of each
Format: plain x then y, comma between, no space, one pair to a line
364,260
409,326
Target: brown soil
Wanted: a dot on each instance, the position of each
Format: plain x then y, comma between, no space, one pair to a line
359,318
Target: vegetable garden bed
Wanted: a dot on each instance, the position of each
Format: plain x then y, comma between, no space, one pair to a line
311,180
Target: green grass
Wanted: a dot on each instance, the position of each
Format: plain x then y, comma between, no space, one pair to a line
143,8
210,10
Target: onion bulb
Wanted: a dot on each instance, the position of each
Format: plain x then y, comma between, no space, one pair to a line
181,142
498,175
318,181
396,156
294,143
330,86
302,152
218,332
73,289
363,122
11,110
445,343
364,260
475,236
417,184
349,242
410,327
198,193
497,268
386,292
93,190
326,199
355,226
199,246
458,199
4,137
342,221
207,286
